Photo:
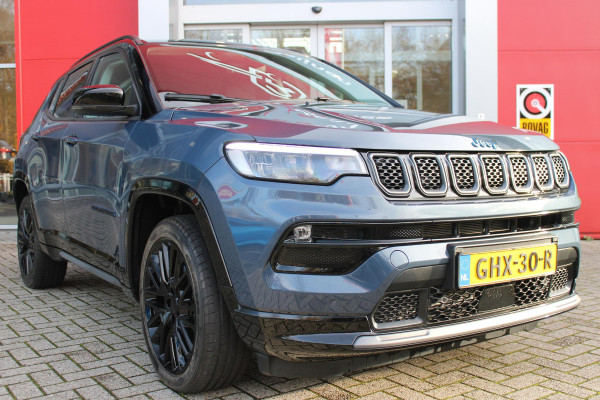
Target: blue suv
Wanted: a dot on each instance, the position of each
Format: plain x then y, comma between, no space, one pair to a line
261,200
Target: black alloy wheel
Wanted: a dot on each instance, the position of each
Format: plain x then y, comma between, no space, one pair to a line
190,337
38,269
26,241
170,306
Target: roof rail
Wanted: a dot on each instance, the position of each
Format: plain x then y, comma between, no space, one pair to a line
135,39
200,41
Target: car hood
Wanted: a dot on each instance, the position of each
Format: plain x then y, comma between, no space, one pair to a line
359,126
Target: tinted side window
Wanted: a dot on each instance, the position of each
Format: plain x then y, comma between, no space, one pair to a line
55,97
77,79
112,70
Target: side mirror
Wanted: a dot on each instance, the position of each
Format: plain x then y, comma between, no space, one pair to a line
102,101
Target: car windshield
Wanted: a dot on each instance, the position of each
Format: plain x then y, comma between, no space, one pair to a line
250,74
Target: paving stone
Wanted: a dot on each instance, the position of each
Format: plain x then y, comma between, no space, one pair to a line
531,393
25,390
371,387
518,369
450,390
488,386
259,391
328,392
523,381
567,388
95,393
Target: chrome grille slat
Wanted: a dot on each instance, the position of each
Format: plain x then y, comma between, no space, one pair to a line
391,173
430,174
542,171
465,174
495,175
559,167
520,172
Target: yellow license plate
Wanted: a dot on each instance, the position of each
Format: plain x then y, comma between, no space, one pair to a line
506,265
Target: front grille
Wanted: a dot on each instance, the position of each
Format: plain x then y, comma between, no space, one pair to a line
429,173
397,307
464,174
541,169
497,173
390,172
520,172
448,305
560,170
494,172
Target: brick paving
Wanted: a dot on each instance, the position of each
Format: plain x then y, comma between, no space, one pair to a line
83,341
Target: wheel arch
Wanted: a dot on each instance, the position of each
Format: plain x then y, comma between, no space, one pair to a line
20,188
146,209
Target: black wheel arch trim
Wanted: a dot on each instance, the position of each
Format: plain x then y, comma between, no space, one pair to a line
186,194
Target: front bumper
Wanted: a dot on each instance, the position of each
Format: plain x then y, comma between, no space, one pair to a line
309,316
372,350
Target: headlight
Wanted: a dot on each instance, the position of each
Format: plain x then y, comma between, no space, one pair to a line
304,164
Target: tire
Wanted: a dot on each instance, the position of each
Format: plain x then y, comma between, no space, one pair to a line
189,334
38,269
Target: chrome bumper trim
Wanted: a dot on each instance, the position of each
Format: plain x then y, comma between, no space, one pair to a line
456,331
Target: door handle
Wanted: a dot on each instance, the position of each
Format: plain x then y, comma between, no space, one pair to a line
71,140
36,136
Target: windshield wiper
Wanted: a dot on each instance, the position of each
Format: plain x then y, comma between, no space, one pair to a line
202,98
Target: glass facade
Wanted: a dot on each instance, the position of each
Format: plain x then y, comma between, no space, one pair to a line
8,111
359,51
218,35
284,38
422,67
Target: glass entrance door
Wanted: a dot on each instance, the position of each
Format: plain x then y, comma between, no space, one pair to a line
357,49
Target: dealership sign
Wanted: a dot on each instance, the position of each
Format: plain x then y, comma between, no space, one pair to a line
535,108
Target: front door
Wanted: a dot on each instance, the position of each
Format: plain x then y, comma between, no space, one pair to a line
93,173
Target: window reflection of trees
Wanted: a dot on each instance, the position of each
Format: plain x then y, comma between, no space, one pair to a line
291,39
362,53
422,67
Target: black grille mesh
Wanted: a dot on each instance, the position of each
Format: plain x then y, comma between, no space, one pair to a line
321,259
541,170
389,171
397,307
429,173
531,290
494,172
463,172
560,279
559,167
519,169
448,305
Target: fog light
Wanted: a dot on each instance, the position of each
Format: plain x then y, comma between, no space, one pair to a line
303,233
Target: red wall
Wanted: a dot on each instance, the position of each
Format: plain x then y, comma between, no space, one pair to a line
51,35
541,42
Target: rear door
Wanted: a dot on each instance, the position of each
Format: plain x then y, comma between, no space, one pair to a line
93,171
